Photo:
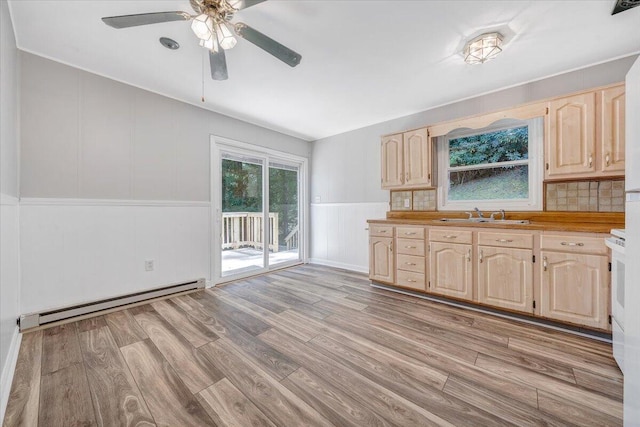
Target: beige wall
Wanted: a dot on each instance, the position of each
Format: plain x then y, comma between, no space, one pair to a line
86,136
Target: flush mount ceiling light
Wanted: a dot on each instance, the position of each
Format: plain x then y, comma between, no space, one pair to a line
482,48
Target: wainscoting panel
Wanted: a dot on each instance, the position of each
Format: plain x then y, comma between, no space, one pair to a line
9,293
74,251
338,233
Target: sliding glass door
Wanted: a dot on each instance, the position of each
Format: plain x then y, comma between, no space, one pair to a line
257,211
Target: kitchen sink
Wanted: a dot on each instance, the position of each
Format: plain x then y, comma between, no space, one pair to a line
483,220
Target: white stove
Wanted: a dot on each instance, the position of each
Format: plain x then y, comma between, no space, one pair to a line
617,244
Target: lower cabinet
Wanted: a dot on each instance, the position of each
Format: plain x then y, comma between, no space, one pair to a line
450,270
381,257
505,278
575,288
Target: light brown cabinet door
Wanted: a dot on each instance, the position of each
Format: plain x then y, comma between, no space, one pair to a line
575,288
572,136
451,270
612,113
505,278
392,173
381,265
417,158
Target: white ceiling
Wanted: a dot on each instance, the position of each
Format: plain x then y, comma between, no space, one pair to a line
363,62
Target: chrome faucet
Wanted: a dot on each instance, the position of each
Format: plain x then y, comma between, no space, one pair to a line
479,212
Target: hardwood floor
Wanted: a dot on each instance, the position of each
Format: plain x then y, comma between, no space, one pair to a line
310,346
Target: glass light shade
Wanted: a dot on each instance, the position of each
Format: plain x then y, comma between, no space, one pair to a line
202,26
483,48
225,37
211,44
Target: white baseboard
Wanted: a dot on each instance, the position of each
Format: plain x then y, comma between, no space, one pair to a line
8,370
329,263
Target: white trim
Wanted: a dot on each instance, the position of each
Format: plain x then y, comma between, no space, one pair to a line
7,200
219,144
535,161
35,201
329,263
8,370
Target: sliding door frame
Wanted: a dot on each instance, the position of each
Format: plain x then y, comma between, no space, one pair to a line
218,146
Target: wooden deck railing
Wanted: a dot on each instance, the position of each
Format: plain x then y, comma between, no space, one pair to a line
292,239
244,229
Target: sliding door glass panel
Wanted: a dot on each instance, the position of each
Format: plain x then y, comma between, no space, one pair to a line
242,223
284,216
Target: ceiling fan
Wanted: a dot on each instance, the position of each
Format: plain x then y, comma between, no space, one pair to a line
212,25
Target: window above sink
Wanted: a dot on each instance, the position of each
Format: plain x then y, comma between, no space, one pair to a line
499,166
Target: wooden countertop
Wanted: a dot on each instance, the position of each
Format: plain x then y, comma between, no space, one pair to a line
586,222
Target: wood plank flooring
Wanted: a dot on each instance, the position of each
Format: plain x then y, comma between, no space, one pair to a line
310,346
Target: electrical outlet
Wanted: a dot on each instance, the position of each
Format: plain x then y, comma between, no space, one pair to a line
407,203
149,265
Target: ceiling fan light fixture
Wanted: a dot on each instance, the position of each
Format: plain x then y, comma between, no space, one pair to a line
202,26
225,36
211,44
483,48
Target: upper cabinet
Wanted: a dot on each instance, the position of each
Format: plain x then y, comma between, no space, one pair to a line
586,135
612,104
406,160
572,136
392,173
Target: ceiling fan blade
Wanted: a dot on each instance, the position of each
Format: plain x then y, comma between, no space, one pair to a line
126,21
218,63
243,4
268,44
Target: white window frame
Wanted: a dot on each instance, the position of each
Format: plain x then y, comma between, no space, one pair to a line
535,161
220,145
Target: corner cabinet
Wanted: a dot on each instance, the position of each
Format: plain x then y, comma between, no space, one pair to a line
406,160
381,256
586,135
575,280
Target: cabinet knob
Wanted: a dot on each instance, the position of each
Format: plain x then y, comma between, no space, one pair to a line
411,280
410,233
410,247
450,236
481,259
410,263
504,240
544,263
469,255
590,159
607,159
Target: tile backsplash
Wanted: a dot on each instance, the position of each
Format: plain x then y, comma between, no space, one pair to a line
416,200
586,196
424,200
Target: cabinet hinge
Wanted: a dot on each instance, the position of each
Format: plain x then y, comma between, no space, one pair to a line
546,166
609,319
609,266
547,110
429,247
534,303
534,259
430,286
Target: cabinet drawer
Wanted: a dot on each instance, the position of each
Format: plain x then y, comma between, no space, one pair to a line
380,230
505,240
411,263
410,279
573,243
410,232
449,235
410,247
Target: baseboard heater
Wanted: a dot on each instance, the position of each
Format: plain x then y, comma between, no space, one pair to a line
33,320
